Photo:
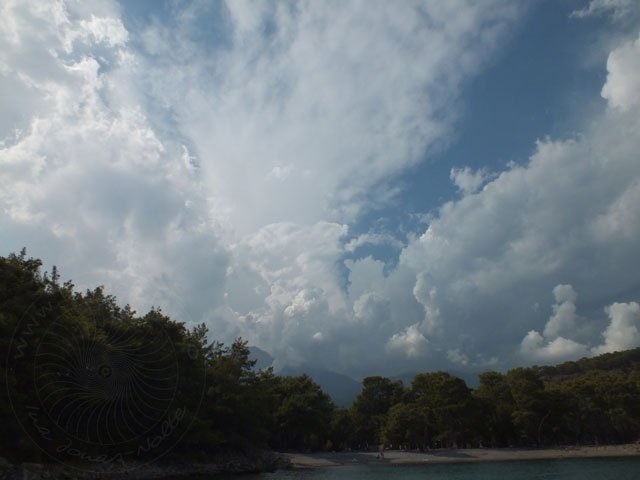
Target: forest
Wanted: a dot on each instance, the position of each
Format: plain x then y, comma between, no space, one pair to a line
87,379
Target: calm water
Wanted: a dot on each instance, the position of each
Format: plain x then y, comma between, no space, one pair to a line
581,469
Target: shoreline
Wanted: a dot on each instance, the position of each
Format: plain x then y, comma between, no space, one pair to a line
270,461
460,455
222,464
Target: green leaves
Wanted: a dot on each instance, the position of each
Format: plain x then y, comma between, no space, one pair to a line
303,414
370,407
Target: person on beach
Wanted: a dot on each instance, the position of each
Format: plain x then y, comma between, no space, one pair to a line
380,451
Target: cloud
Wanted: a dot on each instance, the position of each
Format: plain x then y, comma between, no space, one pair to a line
557,350
294,142
622,88
333,124
370,308
622,333
411,342
88,175
564,312
550,346
373,239
617,8
456,356
427,296
108,30
467,180
217,159
280,172
492,254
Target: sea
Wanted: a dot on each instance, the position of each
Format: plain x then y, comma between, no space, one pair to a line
561,469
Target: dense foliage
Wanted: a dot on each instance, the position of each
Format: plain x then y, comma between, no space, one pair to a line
89,380
86,379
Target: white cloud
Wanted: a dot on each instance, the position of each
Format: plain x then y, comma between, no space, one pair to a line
620,219
559,349
410,342
623,331
221,180
492,254
327,127
467,180
564,312
564,294
617,8
371,308
551,346
88,175
373,239
108,30
622,89
330,105
302,303
427,296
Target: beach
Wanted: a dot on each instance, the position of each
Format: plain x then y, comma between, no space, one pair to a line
401,457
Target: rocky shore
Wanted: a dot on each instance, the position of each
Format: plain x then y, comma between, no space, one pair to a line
265,461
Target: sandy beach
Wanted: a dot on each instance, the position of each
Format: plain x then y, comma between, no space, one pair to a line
399,457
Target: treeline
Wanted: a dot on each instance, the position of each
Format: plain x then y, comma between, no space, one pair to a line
513,409
88,380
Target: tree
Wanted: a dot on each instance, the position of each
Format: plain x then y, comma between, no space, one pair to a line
604,406
497,406
405,426
531,412
303,415
448,408
370,407
341,435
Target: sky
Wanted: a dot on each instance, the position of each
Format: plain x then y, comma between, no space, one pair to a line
369,187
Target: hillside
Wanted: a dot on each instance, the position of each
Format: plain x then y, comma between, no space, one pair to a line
624,361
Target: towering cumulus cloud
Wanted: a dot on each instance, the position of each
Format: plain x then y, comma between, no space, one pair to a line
231,162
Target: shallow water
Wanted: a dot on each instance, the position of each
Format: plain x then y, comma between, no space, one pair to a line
565,469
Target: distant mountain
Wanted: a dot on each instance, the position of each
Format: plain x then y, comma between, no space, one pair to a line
344,389
262,358
341,388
